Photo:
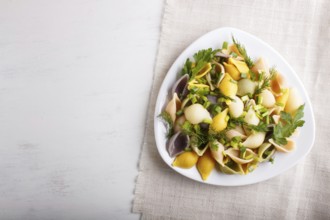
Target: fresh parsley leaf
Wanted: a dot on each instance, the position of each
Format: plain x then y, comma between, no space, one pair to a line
187,68
288,125
261,127
201,58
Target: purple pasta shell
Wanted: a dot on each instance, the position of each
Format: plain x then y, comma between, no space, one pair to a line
177,144
180,86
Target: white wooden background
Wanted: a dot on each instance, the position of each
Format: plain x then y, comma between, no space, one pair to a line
75,77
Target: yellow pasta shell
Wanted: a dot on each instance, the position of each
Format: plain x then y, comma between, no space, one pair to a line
233,48
204,71
228,86
233,71
185,160
220,121
205,165
240,65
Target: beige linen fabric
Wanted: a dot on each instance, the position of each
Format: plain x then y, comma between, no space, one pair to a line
300,31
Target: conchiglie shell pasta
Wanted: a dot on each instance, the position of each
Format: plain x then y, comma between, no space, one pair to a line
234,155
233,71
196,114
294,101
219,68
173,106
276,118
249,167
251,117
233,48
198,151
254,140
260,65
236,132
204,71
205,165
277,84
217,152
209,81
290,146
283,99
246,86
178,123
263,148
186,160
220,121
240,65
236,107
228,86
232,169
268,99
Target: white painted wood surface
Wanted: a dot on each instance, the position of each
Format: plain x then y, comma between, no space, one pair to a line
75,78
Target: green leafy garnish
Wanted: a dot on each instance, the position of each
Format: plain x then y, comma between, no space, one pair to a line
261,127
287,125
198,137
169,122
201,58
187,68
243,52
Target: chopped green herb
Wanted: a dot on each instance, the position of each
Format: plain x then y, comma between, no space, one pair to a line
169,123
261,127
179,113
225,45
243,52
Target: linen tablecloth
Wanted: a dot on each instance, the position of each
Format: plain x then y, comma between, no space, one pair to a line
300,31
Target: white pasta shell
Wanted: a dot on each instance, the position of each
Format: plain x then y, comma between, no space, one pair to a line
294,101
173,106
236,169
276,118
262,149
236,132
236,107
268,99
245,86
178,123
254,140
251,117
277,84
234,155
290,146
198,151
217,154
196,114
261,65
